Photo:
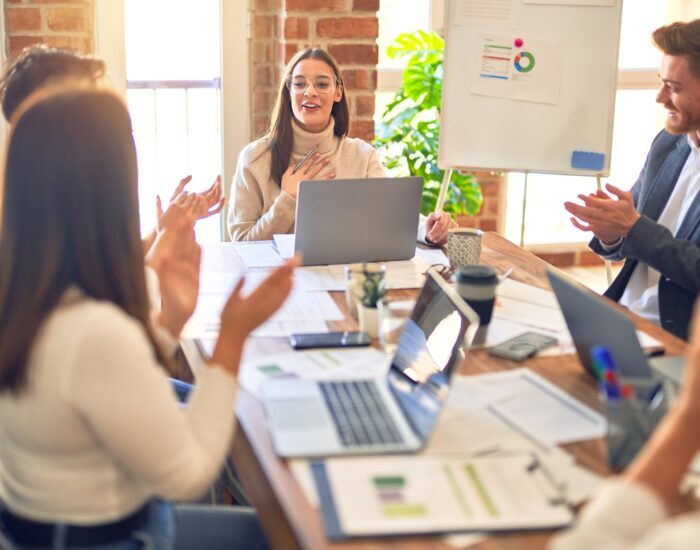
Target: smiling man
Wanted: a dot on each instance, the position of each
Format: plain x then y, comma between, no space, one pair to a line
655,227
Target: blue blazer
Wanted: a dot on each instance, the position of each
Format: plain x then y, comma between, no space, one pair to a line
676,257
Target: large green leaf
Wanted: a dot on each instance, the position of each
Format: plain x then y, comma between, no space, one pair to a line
409,133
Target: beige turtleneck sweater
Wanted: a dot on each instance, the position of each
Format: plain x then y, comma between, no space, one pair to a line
260,209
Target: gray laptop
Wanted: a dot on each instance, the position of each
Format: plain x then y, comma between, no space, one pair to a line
393,414
593,322
357,220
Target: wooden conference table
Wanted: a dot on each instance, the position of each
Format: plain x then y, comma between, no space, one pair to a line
287,518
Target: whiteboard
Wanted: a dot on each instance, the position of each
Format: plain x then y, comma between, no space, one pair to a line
528,83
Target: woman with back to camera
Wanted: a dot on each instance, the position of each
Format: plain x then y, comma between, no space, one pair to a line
91,435
311,115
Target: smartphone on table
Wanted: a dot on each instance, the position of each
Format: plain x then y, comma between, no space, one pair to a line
329,340
523,346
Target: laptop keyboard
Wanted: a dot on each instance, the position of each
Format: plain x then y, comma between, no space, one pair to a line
359,414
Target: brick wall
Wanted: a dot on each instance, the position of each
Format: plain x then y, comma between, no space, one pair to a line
348,29
58,23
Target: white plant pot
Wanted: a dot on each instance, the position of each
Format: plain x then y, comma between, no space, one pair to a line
368,318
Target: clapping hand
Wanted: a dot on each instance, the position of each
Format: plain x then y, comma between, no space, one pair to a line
608,219
197,205
175,257
242,315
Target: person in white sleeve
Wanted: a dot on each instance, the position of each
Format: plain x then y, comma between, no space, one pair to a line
634,511
93,443
311,115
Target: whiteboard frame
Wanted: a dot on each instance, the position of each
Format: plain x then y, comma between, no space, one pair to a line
613,78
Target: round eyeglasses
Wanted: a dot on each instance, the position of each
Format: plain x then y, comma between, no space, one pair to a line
298,84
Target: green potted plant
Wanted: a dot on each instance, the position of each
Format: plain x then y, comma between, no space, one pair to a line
409,133
373,291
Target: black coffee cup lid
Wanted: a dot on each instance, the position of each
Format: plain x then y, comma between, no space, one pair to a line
477,275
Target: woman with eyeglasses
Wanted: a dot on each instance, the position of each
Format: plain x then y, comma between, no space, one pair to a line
308,139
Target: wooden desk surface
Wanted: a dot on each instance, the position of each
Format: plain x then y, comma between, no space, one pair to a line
287,518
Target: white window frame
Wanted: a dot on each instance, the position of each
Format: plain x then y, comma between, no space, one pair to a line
389,79
235,73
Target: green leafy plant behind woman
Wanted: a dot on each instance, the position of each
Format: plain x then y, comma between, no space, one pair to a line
409,133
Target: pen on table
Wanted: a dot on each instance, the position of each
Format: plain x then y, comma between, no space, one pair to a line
302,161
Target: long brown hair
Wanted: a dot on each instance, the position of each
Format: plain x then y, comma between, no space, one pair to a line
69,218
280,136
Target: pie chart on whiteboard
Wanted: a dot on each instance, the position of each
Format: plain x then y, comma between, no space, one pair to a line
524,62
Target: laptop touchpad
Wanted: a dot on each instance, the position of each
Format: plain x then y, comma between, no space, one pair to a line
297,414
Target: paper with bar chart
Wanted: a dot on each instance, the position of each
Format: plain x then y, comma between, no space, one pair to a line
375,496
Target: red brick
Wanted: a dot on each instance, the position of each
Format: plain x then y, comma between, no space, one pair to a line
363,129
364,105
315,5
67,19
76,43
15,1
296,28
263,76
489,188
262,101
560,259
360,54
289,51
262,51
18,43
488,225
356,79
365,5
490,207
348,27
23,19
264,26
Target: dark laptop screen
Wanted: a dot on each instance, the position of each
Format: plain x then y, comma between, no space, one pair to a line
430,347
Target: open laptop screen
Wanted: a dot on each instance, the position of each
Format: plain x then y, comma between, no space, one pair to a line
430,348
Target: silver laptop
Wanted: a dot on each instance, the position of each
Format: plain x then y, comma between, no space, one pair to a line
592,322
357,220
394,414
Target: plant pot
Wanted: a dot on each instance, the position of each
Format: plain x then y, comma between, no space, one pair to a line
368,318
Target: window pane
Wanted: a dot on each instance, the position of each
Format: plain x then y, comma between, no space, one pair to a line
396,17
639,19
172,39
177,130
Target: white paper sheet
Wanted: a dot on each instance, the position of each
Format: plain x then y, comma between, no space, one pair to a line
326,364
320,277
300,306
425,494
432,256
529,72
493,13
258,254
285,245
540,408
607,3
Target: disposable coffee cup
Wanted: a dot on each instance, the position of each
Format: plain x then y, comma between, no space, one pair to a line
464,246
476,285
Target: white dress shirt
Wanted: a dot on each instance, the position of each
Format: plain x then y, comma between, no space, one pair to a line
642,292
98,430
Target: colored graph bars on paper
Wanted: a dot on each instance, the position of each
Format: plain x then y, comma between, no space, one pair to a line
391,491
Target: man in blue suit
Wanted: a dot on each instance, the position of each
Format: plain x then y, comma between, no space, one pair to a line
655,227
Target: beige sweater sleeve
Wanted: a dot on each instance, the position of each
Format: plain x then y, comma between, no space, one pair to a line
247,222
